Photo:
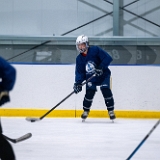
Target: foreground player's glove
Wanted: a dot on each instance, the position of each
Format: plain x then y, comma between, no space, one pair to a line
4,97
77,87
98,72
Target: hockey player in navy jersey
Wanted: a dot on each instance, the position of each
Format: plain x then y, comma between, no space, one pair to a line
7,76
93,60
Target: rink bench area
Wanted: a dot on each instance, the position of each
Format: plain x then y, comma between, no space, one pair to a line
18,112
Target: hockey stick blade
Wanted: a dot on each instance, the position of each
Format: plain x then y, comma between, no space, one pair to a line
20,139
30,119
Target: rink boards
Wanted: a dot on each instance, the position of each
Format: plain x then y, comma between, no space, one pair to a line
77,113
39,88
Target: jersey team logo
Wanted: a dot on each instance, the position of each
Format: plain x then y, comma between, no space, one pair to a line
90,67
89,84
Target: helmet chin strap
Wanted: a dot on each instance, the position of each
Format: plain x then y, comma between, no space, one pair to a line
83,50
84,53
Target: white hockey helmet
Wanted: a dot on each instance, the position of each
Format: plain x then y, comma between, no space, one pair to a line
82,39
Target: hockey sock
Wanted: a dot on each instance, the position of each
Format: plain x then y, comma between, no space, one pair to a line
87,102
108,97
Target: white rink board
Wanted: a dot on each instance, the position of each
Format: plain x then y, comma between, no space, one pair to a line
43,86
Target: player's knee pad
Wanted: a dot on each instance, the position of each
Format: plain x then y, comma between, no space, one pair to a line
106,92
87,102
108,97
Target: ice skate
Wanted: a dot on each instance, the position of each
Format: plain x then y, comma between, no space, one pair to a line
112,115
84,115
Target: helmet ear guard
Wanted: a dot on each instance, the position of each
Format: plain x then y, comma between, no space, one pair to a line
82,39
87,44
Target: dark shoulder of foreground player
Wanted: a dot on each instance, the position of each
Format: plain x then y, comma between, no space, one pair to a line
7,76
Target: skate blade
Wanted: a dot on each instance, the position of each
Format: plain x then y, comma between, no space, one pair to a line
83,120
112,120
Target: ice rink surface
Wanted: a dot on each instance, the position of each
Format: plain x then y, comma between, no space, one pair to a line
95,139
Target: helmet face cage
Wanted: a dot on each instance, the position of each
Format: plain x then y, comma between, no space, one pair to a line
82,39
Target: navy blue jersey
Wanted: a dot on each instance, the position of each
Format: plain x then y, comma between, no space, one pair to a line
7,75
95,58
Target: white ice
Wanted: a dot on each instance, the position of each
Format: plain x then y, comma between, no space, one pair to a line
95,139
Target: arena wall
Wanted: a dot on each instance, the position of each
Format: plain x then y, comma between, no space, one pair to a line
38,88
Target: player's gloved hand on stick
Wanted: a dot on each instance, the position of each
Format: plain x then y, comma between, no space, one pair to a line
98,72
77,87
4,97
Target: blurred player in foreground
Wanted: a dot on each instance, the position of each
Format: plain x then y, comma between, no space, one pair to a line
7,76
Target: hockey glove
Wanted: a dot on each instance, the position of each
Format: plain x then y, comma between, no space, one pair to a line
77,87
98,72
4,97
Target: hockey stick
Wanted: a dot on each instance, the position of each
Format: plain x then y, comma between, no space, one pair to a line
20,139
30,119
143,140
